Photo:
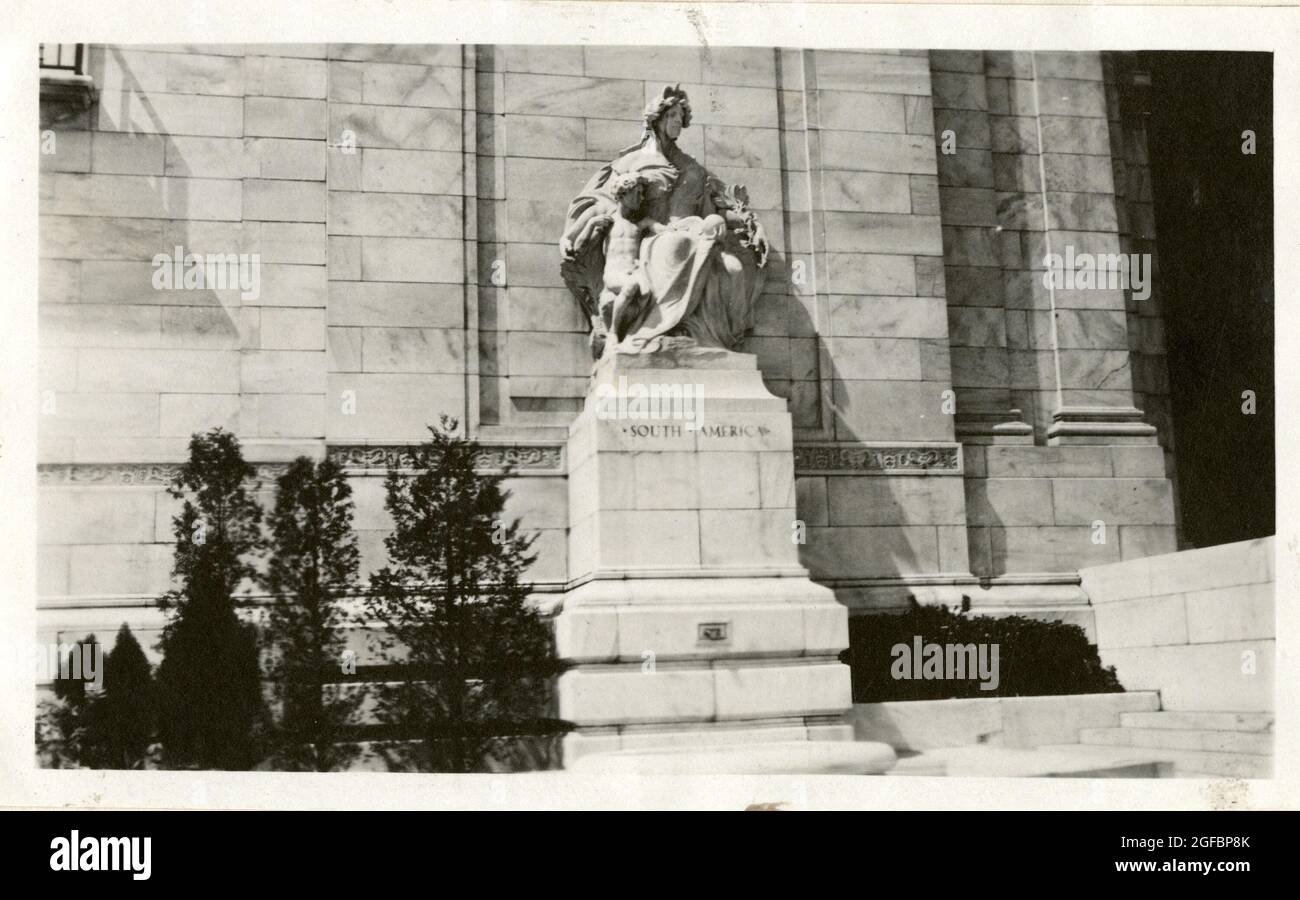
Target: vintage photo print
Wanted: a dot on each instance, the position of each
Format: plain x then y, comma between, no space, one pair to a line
836,409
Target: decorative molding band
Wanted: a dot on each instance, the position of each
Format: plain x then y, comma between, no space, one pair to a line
545,458
522,458
129,474
859,459
531,458
52,603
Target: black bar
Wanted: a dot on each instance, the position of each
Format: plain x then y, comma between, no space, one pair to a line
339,850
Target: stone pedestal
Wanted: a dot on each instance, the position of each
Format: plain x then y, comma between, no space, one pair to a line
689,619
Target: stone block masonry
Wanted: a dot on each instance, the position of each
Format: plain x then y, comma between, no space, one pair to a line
1197,626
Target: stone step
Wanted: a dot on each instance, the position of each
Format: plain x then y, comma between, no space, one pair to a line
1197,763
1201,721
1259,743
758,758
1060,761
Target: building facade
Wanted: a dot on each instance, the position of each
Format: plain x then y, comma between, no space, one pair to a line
967,430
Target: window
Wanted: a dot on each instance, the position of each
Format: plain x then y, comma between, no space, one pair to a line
62,60
66,89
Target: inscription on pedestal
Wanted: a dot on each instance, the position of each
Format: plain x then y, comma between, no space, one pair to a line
708,431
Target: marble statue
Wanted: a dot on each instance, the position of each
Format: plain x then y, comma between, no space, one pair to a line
660,252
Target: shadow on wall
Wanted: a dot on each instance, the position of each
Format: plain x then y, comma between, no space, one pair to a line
155,359
868,542
856,525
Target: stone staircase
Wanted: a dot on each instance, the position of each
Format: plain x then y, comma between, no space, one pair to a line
1059,761
1084,736
1206,744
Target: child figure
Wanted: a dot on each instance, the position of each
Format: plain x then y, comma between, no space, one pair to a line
623,279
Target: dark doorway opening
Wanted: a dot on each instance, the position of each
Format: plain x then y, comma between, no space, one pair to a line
1214,229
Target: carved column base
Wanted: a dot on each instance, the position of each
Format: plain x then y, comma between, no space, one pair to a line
997,427
1099,425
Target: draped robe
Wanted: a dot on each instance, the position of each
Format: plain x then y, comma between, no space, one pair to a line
700,280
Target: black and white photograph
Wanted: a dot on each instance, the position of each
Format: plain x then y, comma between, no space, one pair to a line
890,406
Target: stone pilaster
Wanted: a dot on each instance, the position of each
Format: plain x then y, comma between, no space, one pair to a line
973,216
1079,371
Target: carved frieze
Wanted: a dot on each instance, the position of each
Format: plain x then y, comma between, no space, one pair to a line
850,459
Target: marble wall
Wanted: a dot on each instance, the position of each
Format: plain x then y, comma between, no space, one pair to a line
1198,626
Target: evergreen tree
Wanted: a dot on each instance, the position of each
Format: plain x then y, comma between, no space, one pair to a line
210,700
479,658
311,570
120,725
72,688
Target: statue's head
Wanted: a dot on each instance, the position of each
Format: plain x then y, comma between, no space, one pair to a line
669,113
627,190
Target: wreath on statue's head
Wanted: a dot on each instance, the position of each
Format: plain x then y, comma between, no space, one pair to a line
672,95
